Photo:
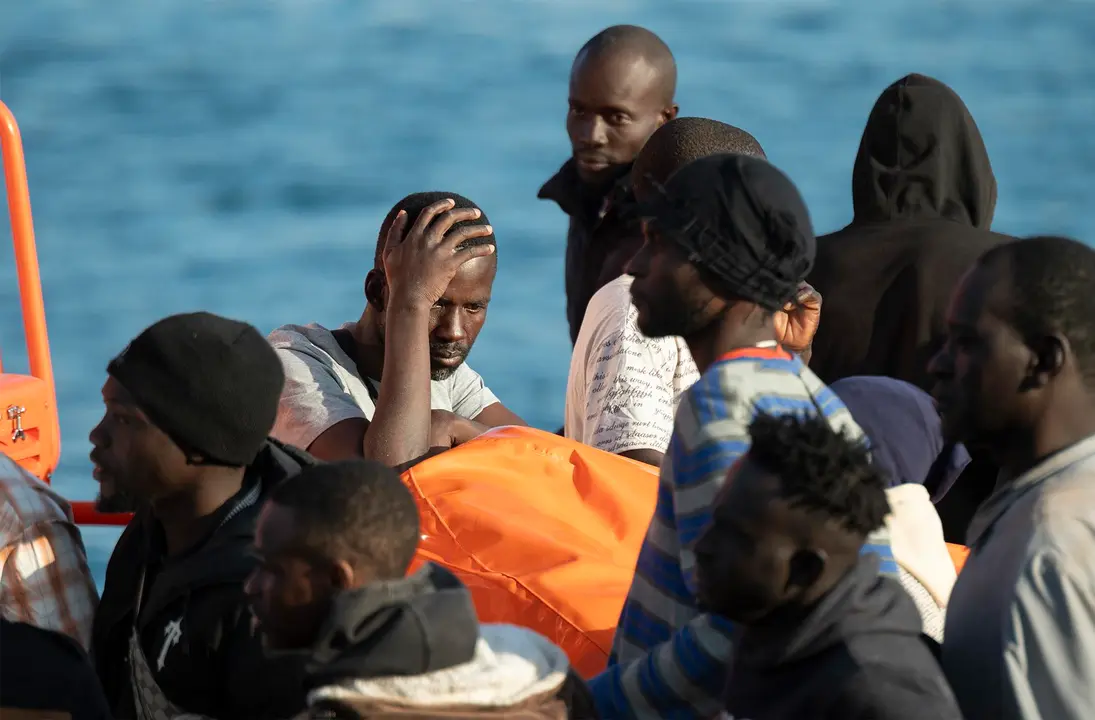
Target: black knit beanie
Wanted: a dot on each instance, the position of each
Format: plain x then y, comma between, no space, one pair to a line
210,383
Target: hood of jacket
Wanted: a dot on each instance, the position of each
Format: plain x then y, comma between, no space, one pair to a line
922,156
510,668
862,603
916,538
905,432
412,626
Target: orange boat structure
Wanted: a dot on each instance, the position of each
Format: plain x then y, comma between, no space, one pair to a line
545,531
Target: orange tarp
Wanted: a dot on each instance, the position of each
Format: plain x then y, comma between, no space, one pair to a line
959,553
544,531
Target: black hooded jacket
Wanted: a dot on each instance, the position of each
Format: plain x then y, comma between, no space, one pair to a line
923,192
215,665
413,626
601,238
859,655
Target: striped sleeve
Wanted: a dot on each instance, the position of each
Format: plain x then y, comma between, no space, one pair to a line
671,661
681,678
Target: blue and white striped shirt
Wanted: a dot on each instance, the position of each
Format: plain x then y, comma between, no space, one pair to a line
669,660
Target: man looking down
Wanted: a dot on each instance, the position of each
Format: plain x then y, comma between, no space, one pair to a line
367,388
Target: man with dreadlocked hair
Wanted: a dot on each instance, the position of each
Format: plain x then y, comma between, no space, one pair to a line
623,387
728,242
820,634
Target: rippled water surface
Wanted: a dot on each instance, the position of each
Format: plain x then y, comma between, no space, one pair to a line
238,156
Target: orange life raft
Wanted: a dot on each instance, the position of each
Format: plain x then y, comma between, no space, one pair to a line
545,531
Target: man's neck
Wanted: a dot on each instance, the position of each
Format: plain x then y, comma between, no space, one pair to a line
181,516
715,341
1055,432
370,346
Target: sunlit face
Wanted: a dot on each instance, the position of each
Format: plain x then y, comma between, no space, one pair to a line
616,104
458,317
668,292
134,461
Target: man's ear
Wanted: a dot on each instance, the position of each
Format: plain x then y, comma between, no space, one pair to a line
803,570
669,113
342,576
376,289
1048,357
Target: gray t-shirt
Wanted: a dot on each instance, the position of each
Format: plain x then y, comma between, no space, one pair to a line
323,388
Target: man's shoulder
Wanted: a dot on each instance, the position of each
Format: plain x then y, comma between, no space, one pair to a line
738,387
293,333
28,500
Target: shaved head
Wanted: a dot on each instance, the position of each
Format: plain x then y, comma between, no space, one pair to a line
684,140
634,42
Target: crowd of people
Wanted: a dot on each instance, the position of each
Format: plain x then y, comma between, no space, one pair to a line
826,414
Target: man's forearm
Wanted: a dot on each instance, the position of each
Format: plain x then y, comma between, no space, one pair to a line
400,428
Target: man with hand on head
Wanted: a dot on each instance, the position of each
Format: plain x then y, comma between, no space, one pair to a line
393,386
622,85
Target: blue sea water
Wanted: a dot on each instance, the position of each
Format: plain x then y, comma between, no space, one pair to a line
238,155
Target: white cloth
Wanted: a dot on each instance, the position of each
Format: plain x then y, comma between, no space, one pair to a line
623,387
511,665
323,388
916,538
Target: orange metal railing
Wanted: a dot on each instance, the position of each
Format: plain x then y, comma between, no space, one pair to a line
29,403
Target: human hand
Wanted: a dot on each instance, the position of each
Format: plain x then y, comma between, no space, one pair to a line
420,266
447,429
796,324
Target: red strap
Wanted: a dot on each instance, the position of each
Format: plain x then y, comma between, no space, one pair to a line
757,353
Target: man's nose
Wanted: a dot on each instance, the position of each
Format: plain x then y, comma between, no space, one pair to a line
450,326
593,131
940,364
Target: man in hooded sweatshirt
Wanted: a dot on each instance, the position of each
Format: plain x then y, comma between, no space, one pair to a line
920,465
189,404
923,193
820,634
334,545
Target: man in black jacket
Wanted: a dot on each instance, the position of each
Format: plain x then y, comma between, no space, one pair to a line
189,404
821,635
621,90
923,192
335,543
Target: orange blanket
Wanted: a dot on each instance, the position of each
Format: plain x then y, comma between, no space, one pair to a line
545,531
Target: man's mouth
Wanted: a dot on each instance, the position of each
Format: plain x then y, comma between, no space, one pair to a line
447,357
591,162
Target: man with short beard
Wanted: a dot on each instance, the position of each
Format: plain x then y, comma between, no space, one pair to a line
621,90
367,389
728,243
188,406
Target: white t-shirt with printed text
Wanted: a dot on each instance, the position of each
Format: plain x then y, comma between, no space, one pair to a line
323,388
623,387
